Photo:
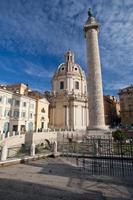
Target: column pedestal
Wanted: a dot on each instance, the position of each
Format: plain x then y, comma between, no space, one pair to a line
55,152
4,153
32,150
98,133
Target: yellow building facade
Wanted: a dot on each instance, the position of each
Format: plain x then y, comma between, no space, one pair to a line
42,119
21,112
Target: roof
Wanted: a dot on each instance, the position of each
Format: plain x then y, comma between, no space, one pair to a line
69,67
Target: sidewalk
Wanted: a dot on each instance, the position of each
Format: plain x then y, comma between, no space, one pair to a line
55,179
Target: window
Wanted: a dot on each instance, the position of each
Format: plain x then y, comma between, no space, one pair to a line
62,68
23,114
6,127
0,111
61,85
31,115
17,91
8,101
22,128
76,85
32,105
15,128
85,88
30,126
17,102
24,104
7,113
42,118
16,114
1,99
43,110
42,125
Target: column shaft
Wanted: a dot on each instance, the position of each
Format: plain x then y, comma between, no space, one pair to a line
95,90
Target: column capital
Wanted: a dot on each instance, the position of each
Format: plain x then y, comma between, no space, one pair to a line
91,23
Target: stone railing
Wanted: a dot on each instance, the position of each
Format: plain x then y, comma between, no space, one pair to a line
62,133
15,133
30,139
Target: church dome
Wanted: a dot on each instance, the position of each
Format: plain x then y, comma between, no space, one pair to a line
69,67
69,77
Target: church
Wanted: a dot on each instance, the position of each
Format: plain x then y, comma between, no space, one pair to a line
69,102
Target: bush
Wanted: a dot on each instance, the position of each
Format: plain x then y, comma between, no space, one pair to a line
119,135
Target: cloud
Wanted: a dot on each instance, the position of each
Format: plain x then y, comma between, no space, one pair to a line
6,66
116,86
39,27
49,28
38,71
20,66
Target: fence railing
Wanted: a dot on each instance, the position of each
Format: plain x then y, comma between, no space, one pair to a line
100,156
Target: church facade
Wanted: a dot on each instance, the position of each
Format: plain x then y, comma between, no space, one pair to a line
69,102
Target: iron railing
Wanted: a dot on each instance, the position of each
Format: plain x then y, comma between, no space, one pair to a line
100,156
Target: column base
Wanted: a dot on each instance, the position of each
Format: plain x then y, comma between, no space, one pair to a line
101,127
98,133
56,154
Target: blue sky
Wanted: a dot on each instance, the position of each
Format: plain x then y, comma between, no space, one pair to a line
34,35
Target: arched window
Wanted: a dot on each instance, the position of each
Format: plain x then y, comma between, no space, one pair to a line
6,127
76,85
43,110
42,118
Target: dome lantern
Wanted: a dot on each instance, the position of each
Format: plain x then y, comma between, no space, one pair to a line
69,56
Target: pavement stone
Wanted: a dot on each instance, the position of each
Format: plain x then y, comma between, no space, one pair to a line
59,179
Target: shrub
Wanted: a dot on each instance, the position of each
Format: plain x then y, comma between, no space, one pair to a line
119,135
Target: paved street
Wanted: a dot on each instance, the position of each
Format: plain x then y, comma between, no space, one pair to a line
54,179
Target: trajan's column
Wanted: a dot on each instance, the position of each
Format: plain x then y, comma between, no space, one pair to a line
95,90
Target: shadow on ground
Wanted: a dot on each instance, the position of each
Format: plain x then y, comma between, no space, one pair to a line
20,190
57,179
62,167
59,167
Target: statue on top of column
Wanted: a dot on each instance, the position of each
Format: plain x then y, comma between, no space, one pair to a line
90,13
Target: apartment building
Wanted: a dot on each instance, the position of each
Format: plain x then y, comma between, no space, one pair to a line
126,105
19,111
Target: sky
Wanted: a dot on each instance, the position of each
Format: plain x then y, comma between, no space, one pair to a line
35,34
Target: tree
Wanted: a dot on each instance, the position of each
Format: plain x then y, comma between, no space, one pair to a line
119,135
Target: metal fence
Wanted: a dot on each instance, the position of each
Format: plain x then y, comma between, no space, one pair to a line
100,156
